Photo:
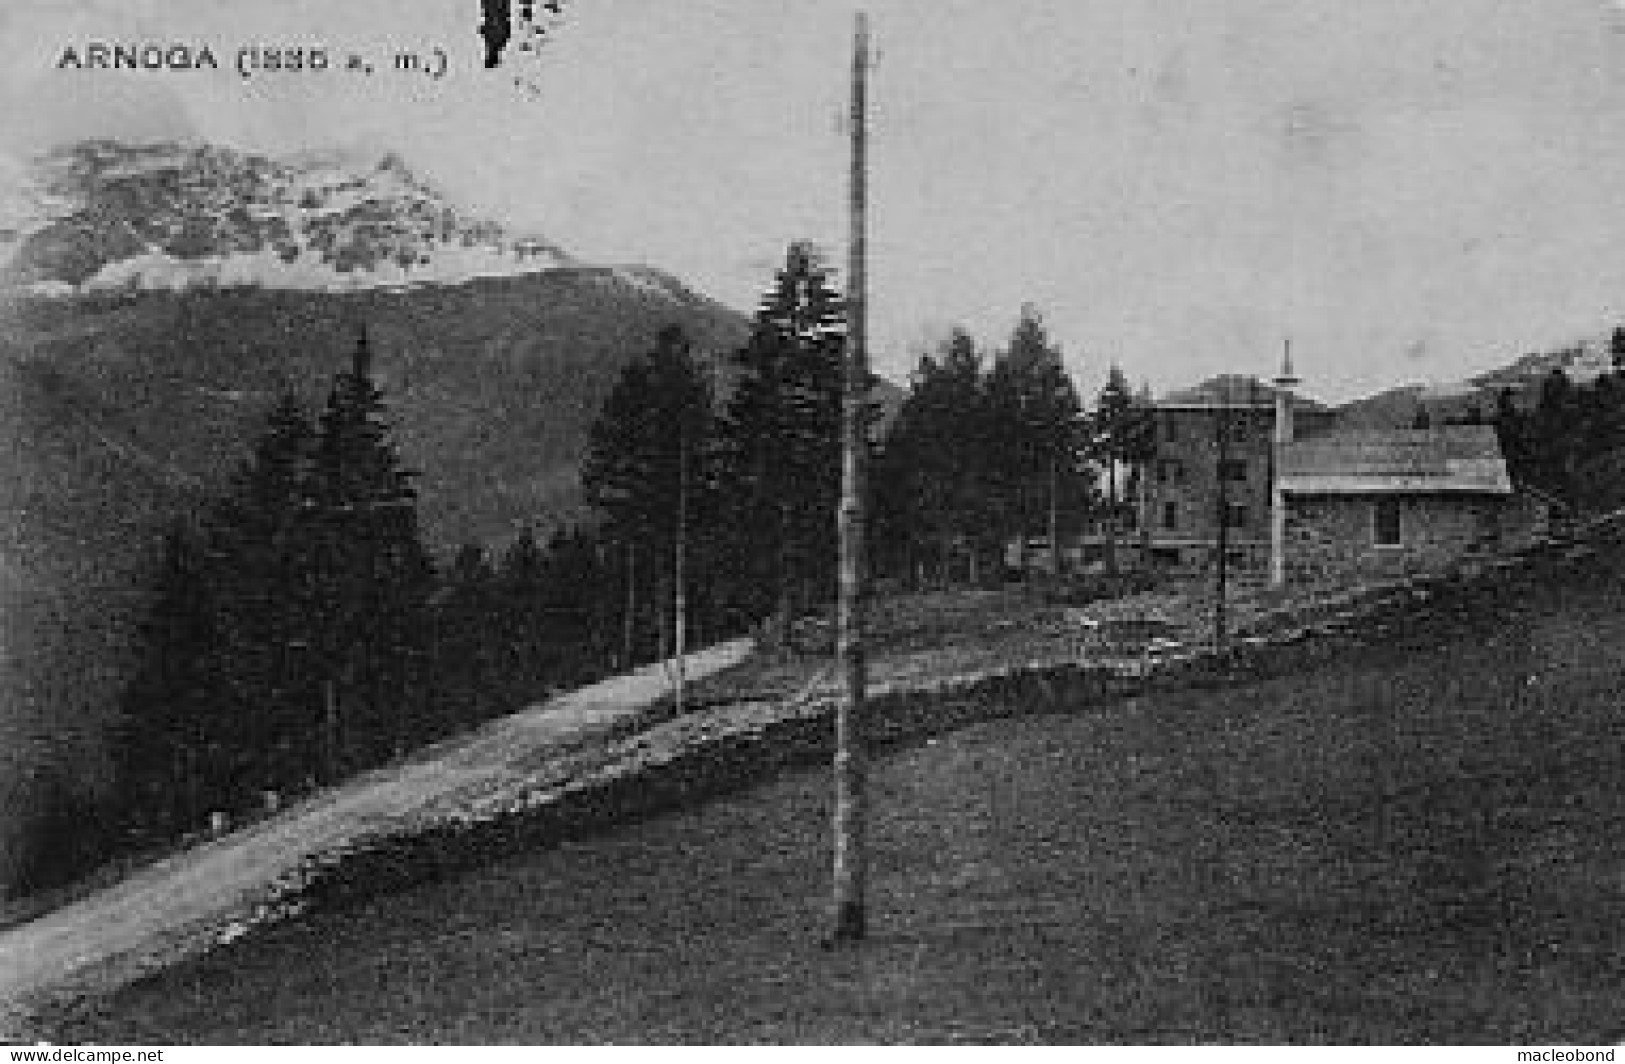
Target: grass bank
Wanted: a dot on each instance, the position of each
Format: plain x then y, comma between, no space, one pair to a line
1402,829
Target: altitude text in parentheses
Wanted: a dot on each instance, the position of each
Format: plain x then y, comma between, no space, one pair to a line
261,59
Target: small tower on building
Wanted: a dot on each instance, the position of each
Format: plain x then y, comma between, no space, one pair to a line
1284,382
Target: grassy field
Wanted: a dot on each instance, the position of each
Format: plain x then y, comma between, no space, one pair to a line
1420,839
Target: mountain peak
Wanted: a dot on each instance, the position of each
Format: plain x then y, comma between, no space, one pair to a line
101,214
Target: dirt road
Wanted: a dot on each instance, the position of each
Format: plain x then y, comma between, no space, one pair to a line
182,905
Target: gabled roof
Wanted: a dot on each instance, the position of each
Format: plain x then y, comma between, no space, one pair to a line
1231,390
1452,458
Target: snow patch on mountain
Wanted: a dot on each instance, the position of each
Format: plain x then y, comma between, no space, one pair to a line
305,269
104,216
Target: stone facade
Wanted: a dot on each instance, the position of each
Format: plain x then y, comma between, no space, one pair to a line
1181,501
1184,487
1336,536
1359,503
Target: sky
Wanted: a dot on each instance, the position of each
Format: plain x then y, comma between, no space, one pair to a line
1412,191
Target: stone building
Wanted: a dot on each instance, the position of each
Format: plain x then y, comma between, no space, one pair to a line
1390,502
1303,499
1214,452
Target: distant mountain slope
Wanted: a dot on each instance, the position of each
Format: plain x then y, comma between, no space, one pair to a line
492,383
153,304
1583,362
179,287
102,215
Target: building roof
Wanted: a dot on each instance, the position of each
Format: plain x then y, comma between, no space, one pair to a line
1451,458
1231,390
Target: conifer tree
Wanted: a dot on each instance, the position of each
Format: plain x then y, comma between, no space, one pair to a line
579,581
1112,436
643,465
261,550
306,591
164,730
1510,431
373,575
522,627
1554,434
932,476
781,438
1033,411
468,660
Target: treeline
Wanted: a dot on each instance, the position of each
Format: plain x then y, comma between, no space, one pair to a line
737,480
997,448
1570,442
299,630
290,639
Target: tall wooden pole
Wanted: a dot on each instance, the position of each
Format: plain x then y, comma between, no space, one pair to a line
1054,517
629,629
1219,605
849,919
679,567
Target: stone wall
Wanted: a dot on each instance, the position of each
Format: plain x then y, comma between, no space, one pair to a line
1333,536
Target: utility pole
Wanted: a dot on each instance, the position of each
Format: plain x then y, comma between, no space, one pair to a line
1054,517
678,566
1223,422
849,920
629,623
330,722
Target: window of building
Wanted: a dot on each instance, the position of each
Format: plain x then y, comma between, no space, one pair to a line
1385,523
1170,471
1233,469
1170,516
1235,514
1170,430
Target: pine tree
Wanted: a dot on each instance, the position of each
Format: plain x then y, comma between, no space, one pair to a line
578,587
468,661
1554,434
781,439
1112,428
1142,452
522,629
261,552
931,478
1600,459
373,575
643,465
163,733
306,591
1033,410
